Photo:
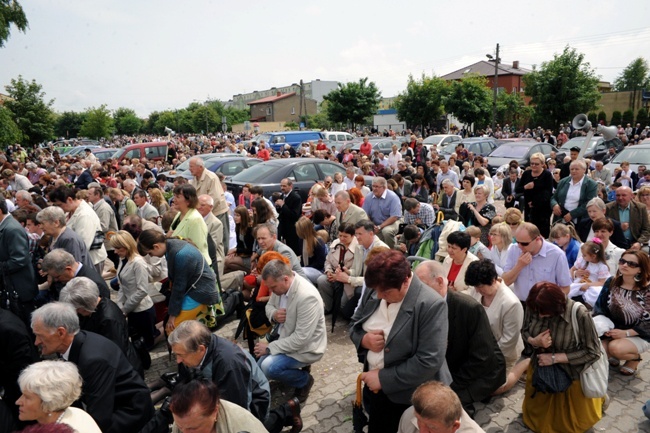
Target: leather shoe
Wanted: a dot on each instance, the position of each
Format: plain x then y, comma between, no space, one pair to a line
296,419
302,393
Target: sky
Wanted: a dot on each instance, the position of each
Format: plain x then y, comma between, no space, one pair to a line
153,55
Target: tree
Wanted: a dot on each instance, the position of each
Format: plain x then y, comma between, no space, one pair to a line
642,117
164,119
68,124
11,13
127,122
353,103
9,132
602,117
593,118
31,113
562,88
235,116
512,110
617,117
421,103
635,76
470,100
628,117
99,123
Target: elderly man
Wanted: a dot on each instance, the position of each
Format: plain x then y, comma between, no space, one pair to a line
267,240
534,260
61,266
436,408
113,393
596,209
633,217
297,309
53,222
419,213
17,182
145,209
290,211
446,173
448,201
18,282
82,177
601,174
25,201
206,182
350,174
346,211
130,186
400,333
476,363
569,201
384,209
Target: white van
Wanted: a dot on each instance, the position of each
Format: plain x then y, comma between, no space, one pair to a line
337,136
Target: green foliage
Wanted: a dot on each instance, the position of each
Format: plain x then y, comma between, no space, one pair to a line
628,116
98,124
470,100
68,124
291,126
562,88
512,110
31,113
593,118
9,131
159,120
643,118
635,76
617,117
206,119
602,117
235,116
11,13
421,103
353,103
127,122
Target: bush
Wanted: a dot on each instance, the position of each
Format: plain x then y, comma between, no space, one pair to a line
628,117
616,118
593,118
602,118
643,118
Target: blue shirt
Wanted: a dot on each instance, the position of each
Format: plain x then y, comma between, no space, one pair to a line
624,217
379,209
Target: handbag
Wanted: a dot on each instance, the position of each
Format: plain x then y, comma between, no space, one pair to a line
594,377
551,379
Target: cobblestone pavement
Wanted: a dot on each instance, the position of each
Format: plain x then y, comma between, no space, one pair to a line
329,407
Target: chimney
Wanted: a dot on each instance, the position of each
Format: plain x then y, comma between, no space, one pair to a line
515,64
279,93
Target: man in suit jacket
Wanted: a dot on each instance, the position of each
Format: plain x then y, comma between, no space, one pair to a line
571,206
145,210
297,307
412,353
347,212
476,363
633,217
510,197
61,266
601,174
267,240
289,214
448,200
113,392
16,270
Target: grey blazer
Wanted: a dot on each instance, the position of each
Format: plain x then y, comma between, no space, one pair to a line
415,348
353,215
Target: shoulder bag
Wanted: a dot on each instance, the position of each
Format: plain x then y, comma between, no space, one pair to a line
594,377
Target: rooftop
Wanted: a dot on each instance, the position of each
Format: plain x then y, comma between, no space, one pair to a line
486,69
274,98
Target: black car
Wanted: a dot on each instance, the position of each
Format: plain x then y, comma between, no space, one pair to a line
185,165
482,146
521,152
227,165
597,149
303,171
383,145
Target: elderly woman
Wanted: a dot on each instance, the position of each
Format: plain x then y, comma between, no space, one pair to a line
133,279
34,173
479,213
624,300
503,308
458,259
550,339
482,178
49,388
192,280
596,209
501,240
189,223
537,186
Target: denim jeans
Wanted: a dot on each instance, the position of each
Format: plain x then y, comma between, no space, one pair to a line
646,409
284,369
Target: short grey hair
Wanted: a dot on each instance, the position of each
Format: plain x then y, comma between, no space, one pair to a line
56,383
76,166
25,195
57,260
447,182
207,199
342,194
198,161
377,180
598,202
273,230
57,315
276,269
582,163
30,166
82,293
50,215
485,189
129,182
191,334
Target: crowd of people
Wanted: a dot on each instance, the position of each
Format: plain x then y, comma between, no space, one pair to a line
449,299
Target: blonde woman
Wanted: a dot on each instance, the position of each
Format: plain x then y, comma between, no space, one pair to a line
158,201
314,251
133,278
501,240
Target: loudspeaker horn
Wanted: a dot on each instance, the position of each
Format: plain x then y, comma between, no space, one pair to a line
609,132
581,121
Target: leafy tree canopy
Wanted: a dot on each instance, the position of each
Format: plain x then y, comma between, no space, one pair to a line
562,88
127,122
68,124
422,101
31,113
512,110
470,101
635,76
353,103
9,132
99,123
11,12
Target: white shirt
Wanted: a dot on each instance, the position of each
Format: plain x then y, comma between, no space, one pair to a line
573,195
382,319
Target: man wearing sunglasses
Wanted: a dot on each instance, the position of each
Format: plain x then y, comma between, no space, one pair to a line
533,261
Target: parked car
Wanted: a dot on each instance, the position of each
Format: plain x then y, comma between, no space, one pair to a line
303,171
185,165
439,141
277,140
482,146
337,136
519,151
153,151
79,150
102,154
380,144
228,165
636,155
596,149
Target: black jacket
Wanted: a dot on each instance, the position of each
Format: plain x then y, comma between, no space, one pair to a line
16,270
618,237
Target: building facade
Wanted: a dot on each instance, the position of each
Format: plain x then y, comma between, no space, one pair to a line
281,107
315,90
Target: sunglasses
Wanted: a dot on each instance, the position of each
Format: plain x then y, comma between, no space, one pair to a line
525,244
627,262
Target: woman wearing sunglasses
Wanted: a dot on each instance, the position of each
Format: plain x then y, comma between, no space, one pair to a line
625,300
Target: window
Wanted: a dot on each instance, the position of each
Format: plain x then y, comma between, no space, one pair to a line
340,137
331,169
305,172
134,153
293,110
268,110
231,168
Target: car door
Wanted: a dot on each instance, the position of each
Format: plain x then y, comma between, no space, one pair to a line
304,175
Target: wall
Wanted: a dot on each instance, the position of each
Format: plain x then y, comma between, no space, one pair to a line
618,101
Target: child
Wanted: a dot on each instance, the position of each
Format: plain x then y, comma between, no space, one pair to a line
565,237
590,272
476,246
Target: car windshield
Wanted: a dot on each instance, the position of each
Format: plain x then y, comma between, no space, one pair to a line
578,141
506,151
185,165
633,155
434,139
255,176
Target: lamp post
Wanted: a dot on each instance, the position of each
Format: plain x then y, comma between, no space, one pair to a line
495,86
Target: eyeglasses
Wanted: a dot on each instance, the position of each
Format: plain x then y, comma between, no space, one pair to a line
629,263
535,163
525,244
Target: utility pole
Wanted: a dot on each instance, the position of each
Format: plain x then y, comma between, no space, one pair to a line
495,90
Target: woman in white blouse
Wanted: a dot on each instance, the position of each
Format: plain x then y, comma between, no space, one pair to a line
501,239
